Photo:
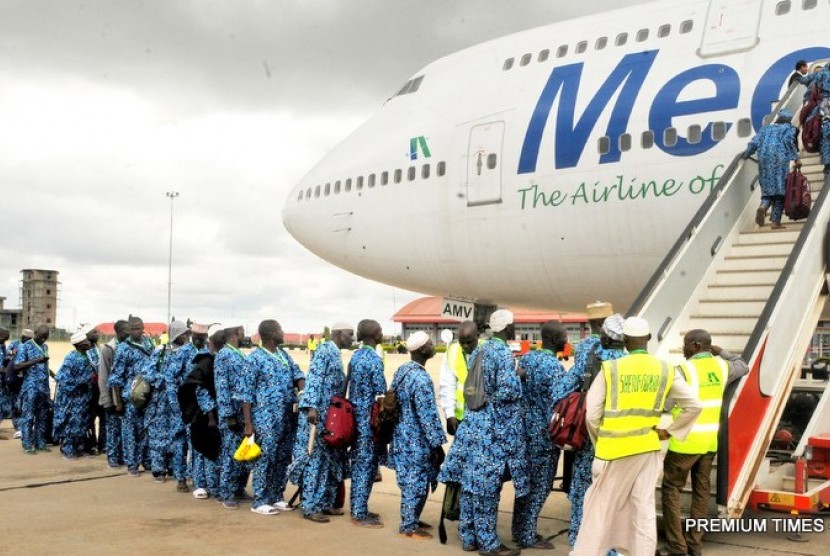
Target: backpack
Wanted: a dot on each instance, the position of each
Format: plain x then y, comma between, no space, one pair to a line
340,430
140,391
813,100
386,413
567,425
811,133
474,394
450,508
797,198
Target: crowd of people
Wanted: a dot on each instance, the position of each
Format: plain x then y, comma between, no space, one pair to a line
777,143
199,394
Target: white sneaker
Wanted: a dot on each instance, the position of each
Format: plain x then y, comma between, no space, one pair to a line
283,506
265,509
200,493
16,435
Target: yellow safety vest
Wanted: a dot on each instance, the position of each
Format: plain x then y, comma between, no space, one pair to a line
636,389
707,377
458,363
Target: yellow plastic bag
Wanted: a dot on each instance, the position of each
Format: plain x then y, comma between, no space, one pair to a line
248,450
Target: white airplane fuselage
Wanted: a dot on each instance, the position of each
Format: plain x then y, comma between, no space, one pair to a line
550,195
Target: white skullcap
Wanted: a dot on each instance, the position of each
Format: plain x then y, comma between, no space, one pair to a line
416,340
500,319
197,328
636,327
77,337
28,332
214,328
342,325
176,329
86,328
613,326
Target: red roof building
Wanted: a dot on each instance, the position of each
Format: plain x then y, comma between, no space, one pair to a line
425,314
152,329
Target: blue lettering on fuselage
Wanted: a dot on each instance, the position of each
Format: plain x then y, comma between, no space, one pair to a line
626,81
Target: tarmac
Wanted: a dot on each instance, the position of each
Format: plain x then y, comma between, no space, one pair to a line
53,506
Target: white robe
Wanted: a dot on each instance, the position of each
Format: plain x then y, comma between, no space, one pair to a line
619,510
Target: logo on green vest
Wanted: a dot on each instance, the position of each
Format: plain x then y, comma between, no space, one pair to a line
639,383
712,379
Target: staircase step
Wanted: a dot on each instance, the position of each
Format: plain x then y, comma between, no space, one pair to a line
739,291
723,278
738,323
771,247
733,262
717,307
762,235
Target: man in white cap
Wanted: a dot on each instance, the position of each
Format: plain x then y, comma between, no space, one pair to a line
206,471
623,408
72,406
327,465
490,444
229,369
580,377
32,361
415,452
168,436
25,335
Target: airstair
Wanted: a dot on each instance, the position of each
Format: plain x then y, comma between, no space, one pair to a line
759,292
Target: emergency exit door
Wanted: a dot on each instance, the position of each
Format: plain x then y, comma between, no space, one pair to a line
731,26
484,164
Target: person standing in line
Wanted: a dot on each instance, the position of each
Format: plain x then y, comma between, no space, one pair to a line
708,370
96,435
580,376
540,371
75,379
267,397
229,374
622,413
112,422
777,146
14,347
130,358
326,467
206,471
165,372
6,400
490,446
416,451
32,360
366,383
454,373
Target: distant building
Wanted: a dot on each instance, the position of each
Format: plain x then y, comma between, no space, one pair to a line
425,314
10,319
38,297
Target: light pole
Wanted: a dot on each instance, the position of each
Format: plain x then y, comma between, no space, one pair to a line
172,195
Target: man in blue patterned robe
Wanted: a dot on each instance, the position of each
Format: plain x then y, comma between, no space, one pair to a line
777,146
130,357
366,383
415,452
75,379
267,397
326,466
32,361
540,371
490,445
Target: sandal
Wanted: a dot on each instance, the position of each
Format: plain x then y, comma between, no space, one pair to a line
182,487
265,509
416,535
540,544
425,526
283,506
333,511
316,518
230,505
501,551
367,523
200,494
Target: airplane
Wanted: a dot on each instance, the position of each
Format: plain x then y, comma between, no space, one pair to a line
554,166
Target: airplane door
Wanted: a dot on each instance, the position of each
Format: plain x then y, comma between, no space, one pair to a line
731,26
484,164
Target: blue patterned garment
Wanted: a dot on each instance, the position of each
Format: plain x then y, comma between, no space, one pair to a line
825,142
820,79
165,371
776,147
6,400
114,445
583,459
229,375
489,445
366,383
11,352
205,471
75,382
543,372
326,466
418,431
269,388
130,358
34,396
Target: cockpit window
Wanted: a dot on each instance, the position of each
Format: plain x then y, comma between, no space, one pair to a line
411,86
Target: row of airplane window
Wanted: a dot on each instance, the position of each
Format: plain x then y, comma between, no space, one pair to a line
781,8
694,136
370,181
620,40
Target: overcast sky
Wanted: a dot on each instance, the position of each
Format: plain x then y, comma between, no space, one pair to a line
107,104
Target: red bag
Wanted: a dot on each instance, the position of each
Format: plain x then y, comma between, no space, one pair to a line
567,426
813,100
797,197
339,431
811,133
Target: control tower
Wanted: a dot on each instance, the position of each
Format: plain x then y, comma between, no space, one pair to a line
38,297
